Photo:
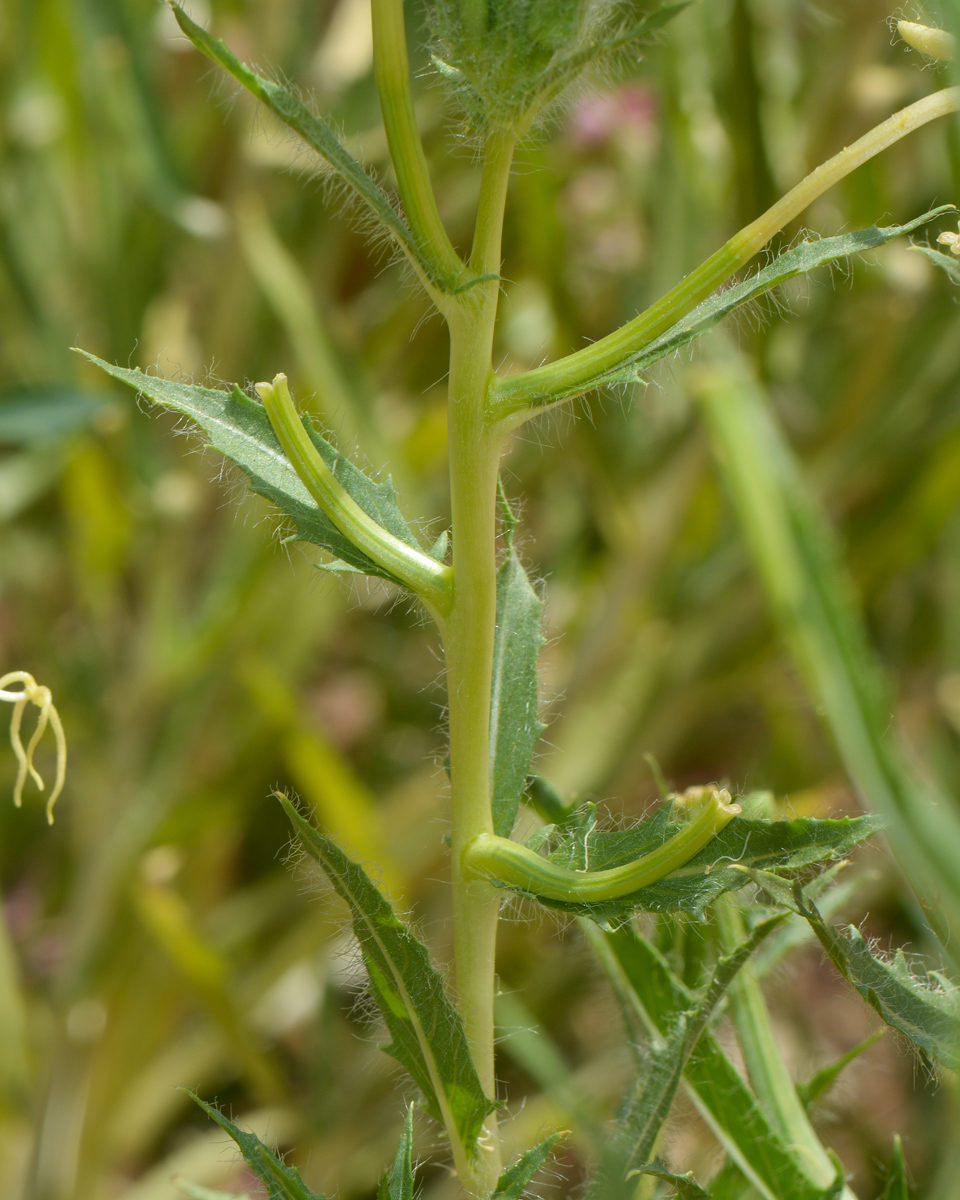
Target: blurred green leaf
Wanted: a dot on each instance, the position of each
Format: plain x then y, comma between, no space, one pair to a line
30,415
685,1186
196,1191
281,1182
810,1091
896,1186
948,263
428,1036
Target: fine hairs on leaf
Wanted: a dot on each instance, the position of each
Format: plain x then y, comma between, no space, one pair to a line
516,1178
281,1182
427,1034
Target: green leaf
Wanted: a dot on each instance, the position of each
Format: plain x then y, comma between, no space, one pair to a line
397,1183
721,866
715,1085
896,1185
318,133
948,263
827,1076
45,414
805,257
239,428
514,1180
685,1186
428,1036
281,1182
648,1109
514,726
927,1010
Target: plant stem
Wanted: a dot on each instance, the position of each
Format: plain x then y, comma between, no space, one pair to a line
392,70
764,1062
474,464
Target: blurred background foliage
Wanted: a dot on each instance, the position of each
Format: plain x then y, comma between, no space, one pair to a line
157,936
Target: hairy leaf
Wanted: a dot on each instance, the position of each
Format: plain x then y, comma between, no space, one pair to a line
397,1183
716,1087
805,257
428,1036
514,1180
318,134
721,866
685,1186
514,726
239,428
643,1117
926,1011
281,1182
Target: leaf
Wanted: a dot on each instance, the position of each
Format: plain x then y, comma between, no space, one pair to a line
948,263
685,1186
896,1186
716,1087
805,257
197,1191
515,727
827,1076
648,1109
239,428
397,1183
45,414
281,1182
428,1035
514,1180
317,133
928,1013
722,865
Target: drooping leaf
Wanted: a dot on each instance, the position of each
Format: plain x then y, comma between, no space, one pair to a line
716,1087
685,1186
646,1111
239,428
427,1034
805,257
281,1182
515,727
514,1180
948,263
827,1076
722,865
318,134
397,1183
927,1010
896,1186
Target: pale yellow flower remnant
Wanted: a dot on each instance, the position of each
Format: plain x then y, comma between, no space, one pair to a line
952,240
937,43
33,693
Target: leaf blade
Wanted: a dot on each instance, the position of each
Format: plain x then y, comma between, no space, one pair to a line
428,1035
397,1183
514,1180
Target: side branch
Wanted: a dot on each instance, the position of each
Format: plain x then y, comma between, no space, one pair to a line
517,398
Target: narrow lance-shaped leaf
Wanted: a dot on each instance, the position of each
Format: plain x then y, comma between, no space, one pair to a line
428,1035
799,260
928,1013
810,1091
716,1087
318,134
643,1118
514,725
685,1186
239,428
948,263
515,1179
721,866
397,1183
896,1186
281,1182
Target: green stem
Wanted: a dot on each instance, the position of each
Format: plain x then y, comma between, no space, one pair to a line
519,397
762,1057
498,859
474,464
392,71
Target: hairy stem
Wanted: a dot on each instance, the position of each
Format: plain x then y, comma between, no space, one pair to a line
519,397
474,463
